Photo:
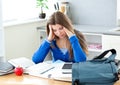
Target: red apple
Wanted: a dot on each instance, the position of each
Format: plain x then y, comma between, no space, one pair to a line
18,71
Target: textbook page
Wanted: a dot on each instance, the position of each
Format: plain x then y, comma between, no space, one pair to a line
39,69
45,69
22,62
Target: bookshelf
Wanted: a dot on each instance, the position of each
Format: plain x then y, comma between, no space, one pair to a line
94,42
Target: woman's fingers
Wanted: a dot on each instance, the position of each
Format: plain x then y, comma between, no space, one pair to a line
50,27
69,33
51,34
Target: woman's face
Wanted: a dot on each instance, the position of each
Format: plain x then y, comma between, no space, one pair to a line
59,31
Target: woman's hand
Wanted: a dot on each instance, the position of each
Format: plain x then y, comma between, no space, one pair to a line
51,35
69,33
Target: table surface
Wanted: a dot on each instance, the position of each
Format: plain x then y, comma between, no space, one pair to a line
32,80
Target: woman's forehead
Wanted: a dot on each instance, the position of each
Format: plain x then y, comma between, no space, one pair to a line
56,26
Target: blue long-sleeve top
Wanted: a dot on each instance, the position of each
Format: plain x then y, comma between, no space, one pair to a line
59,54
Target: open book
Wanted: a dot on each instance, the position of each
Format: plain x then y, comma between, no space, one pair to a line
29,67
22,62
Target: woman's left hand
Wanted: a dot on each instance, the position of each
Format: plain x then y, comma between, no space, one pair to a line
69,33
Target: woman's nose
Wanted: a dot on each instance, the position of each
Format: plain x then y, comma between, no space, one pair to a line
58,32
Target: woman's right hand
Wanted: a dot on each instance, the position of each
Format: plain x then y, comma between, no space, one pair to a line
51,35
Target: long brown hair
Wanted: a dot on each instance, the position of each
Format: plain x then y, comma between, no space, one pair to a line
60,18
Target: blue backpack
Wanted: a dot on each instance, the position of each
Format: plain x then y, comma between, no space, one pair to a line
99,71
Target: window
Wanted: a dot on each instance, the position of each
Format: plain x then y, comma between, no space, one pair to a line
118,9
118,12
22,9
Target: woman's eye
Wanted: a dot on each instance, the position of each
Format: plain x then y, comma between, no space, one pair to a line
60,28
54,30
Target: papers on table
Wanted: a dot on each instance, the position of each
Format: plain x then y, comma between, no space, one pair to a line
45,69
57,72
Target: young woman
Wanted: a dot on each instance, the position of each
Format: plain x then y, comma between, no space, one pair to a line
65,43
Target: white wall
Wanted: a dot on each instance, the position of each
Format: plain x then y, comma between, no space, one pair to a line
1,45
94,12
22,40
2,55
118,12
0,15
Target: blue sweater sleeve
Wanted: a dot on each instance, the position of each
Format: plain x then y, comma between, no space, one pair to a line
41,53
78,53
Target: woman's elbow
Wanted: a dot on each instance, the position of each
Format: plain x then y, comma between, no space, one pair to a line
81,59
84,58
35,59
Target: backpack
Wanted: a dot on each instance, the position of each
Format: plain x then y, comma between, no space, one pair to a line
99,71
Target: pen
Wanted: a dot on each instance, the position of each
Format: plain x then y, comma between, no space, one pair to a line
57,6
47,70
67,72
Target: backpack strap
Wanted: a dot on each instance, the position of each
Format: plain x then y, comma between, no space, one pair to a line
102,55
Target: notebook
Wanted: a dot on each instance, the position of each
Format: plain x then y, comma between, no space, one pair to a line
6,68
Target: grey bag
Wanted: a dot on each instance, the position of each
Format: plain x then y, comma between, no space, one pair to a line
97,71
